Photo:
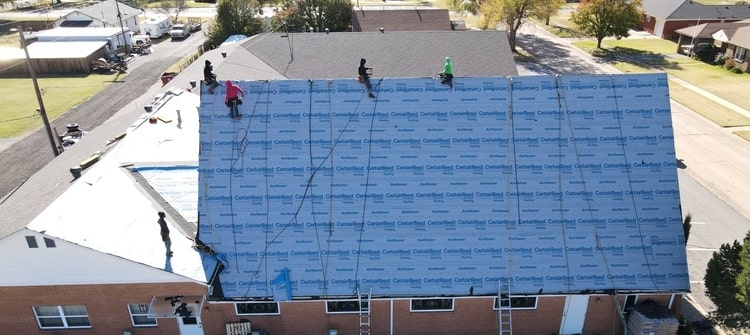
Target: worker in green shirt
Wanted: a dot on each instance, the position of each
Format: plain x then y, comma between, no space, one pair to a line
447,74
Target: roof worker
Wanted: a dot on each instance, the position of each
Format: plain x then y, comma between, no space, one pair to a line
164,231
447,75
233,99
209,77
364,76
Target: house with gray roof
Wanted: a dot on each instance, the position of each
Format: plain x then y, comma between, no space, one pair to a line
108,13
663,17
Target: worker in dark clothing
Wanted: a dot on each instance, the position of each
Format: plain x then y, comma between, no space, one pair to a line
165,233
209,77
182,310
364,76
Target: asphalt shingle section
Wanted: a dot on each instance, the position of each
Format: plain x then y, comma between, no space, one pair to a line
415,19
390,54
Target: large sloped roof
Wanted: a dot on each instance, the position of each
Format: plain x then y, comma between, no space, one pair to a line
112,208
567,184
391,54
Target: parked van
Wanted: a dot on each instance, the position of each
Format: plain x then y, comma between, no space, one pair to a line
156,26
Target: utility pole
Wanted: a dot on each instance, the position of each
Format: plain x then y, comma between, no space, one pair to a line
119,16
41,109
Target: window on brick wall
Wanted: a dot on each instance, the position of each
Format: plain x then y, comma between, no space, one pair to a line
343,306
739,54
630,300
62,317
139,316
518,303
257,308
431,304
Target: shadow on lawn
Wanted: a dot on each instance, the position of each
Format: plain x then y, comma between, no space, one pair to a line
637,57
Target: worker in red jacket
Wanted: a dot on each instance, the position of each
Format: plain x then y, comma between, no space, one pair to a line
233,99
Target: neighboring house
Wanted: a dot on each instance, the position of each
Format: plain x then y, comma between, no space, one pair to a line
400,19
231,189
731,39
108,13
701,35
662,17
736,41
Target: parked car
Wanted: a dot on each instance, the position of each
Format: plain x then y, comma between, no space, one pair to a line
179,31
195,24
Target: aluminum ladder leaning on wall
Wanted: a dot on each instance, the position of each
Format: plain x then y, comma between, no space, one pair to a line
504,319
364,312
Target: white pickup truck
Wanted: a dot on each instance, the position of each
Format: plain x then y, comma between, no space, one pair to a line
179,31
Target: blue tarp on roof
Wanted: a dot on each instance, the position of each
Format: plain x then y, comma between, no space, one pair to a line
566,184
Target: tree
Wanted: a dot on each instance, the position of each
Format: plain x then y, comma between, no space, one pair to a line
301,15
512,13
235,17
743,278
175,6
602,18
549,9
723,275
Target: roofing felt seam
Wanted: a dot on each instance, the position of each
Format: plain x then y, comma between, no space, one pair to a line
563,183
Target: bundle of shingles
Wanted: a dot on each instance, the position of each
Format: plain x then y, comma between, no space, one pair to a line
648,318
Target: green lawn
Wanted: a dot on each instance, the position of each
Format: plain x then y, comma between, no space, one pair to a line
59,94
659,55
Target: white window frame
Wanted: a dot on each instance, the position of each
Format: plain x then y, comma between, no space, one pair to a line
536,302
355,308
139,316
739,54
61,316
437,309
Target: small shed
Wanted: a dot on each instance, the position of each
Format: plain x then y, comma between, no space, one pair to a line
55,58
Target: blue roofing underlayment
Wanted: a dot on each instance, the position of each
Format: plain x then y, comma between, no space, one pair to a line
566,184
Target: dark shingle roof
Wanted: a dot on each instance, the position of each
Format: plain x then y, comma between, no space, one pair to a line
390,54
415,19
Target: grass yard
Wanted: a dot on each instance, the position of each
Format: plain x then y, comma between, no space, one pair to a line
645,55
59,94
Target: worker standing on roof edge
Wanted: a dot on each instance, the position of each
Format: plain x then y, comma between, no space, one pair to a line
233,99
447,74
165,233
364,76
